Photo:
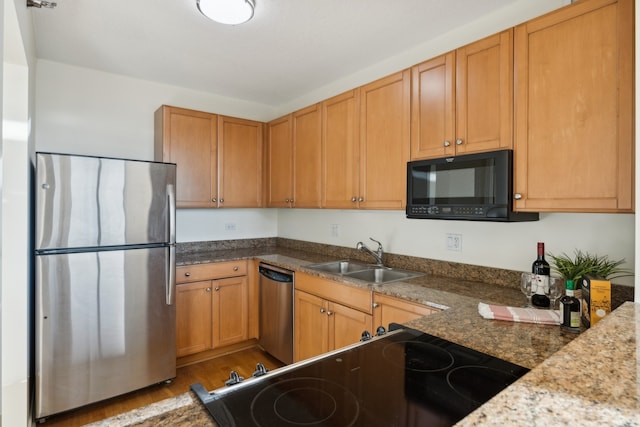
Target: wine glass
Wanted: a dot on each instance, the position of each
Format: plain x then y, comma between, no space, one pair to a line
554,291
526,286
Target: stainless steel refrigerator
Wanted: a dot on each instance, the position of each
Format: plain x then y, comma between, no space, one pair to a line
105,278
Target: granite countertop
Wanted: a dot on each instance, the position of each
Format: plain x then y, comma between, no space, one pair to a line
569,381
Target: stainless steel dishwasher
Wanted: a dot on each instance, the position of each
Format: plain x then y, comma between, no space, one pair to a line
276,312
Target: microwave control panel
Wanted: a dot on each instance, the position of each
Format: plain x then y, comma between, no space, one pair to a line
459,211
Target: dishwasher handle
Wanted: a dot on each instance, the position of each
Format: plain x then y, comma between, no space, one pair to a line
276,276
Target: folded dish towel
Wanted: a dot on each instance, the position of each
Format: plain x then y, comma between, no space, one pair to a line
519,314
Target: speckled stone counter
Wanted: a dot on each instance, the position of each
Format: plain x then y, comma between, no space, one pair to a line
593,381
536,399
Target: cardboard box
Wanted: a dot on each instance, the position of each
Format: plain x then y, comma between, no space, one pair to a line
596,299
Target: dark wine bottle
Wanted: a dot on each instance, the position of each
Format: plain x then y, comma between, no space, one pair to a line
570,309
541,270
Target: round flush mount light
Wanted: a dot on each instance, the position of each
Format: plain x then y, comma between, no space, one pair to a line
230,12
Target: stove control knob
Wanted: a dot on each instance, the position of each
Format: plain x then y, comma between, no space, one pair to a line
260,370
380,331
366,336
234,379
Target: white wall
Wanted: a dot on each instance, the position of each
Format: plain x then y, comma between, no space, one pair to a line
17,148
83,111
501,245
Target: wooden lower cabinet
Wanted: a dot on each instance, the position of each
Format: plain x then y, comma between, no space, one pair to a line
387,309
211,312
230,311
322,325
193,317
327,315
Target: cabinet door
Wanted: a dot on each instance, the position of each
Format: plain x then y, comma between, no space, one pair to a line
280,163
346,325
307,157
433,108
340,151
574,145
240,158
230,311
193,318
311,326
394,310
384,141
188,138
484,95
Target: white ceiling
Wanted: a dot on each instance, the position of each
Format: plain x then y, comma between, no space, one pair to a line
288,49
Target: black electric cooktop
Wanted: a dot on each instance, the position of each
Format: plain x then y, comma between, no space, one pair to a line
403,378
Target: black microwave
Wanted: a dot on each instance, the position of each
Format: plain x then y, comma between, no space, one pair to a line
467,187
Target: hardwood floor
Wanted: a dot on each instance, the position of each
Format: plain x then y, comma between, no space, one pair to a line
211,374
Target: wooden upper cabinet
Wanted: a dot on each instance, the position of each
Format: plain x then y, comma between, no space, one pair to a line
340,151
240,174
574,136
307,157
189,139
462,101
280,163
384,141
219,159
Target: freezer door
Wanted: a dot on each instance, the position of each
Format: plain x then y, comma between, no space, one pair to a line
103,326
95,202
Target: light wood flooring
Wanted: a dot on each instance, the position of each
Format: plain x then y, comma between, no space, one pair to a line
211,374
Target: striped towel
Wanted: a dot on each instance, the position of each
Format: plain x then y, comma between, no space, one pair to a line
519,314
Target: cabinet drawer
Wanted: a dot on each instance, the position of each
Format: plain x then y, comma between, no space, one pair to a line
357,298
214,270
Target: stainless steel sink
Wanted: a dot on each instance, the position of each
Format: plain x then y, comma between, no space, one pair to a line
384,275
367,272
341,267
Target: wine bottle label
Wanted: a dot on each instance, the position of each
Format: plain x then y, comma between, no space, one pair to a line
575,319
541,283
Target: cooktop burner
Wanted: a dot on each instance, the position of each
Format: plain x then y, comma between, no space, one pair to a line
403,378
304,402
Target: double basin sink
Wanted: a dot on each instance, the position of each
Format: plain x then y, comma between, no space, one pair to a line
367,272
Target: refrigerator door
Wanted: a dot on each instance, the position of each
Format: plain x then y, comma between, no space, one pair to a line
91,202
103,325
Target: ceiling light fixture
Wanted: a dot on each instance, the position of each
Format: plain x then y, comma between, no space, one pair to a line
231,12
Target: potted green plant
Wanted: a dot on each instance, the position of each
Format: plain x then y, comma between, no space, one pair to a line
585,263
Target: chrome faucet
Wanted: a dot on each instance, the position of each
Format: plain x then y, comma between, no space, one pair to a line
377,254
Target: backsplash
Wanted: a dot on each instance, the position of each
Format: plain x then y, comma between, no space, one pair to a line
497,276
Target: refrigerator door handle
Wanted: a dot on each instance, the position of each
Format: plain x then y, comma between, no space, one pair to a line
171,201
171,275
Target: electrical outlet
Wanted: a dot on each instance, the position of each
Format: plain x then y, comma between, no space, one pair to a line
230,226
335,230
454,242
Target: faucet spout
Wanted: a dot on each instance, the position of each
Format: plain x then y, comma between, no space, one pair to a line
377,254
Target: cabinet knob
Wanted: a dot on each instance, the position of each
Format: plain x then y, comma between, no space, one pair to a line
447,143
214,200
329,313
376,305
221,200
217,288
208,289
235,268
353,199
291,200
322,310
458,141
286,200
517,196
187,274
361,199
